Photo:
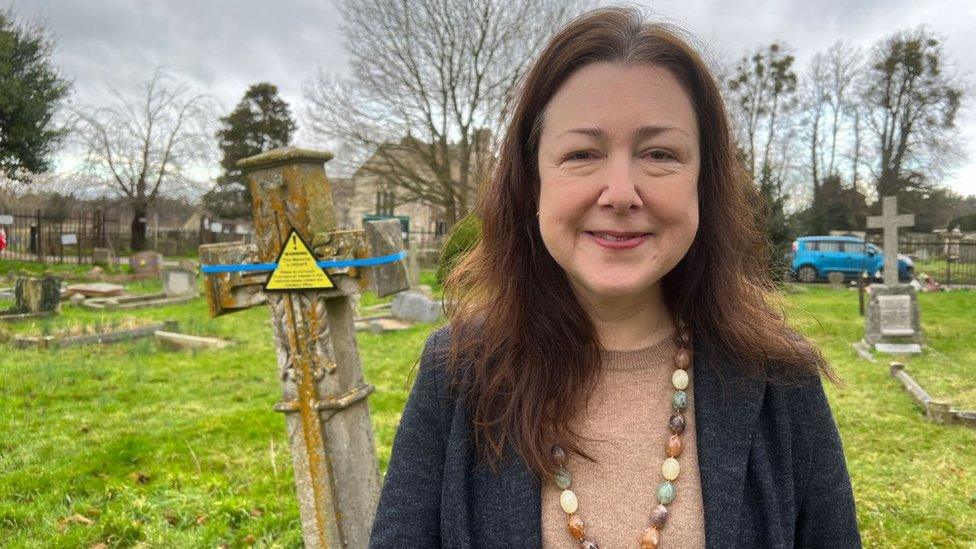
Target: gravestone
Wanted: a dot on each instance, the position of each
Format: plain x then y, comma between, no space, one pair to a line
178,282
324,395
836,280
415,307
892,323
37,295
893,318
103,256
146,263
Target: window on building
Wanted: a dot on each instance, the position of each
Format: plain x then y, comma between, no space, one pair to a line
441,228
384,202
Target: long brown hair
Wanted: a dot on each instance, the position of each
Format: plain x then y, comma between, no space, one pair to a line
530,352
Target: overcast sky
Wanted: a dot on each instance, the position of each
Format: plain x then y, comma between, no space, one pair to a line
221,47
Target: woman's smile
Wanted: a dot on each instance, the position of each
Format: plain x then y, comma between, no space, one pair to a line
617,240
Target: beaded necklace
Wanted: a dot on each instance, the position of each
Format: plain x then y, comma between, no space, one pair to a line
665,490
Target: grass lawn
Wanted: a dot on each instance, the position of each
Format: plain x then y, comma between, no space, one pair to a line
68,269
129,445
914,481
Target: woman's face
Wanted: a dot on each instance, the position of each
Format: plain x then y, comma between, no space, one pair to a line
618,168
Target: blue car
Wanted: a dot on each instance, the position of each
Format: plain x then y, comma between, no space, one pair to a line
815,256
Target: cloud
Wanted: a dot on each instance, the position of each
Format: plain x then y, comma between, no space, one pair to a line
221,47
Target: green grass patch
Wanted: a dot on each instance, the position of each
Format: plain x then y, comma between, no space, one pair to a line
913,481
131,445
67,269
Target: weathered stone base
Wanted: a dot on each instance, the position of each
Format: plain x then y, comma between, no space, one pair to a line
936,411
875,330
52,342
134,301
189,342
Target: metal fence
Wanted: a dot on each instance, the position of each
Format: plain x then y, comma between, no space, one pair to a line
37,236
40,236
947,260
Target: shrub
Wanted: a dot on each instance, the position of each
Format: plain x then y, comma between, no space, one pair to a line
464,235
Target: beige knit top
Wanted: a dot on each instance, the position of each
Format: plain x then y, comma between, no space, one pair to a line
625,428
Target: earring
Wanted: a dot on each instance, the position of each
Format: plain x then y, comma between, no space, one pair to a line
537,213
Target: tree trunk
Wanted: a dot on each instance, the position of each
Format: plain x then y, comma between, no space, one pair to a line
137,243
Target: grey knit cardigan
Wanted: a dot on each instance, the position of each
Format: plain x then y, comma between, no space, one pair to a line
770,460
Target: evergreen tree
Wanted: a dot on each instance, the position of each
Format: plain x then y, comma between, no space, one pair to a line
31,91
260,122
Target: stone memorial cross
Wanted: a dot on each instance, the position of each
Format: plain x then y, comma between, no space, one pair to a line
889,220
324,396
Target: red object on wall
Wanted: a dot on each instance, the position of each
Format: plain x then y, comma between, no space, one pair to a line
3,239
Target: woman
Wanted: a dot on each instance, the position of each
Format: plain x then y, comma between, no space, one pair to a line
613,372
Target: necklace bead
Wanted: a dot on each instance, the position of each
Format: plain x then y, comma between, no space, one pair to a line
680,379
651,538
670,469
575,527
563,478
568,501
558,455
679,400
682,358
659,515
665,492
674,446
677,423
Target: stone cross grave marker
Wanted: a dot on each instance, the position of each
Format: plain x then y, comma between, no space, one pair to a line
337,479
889,220
892,323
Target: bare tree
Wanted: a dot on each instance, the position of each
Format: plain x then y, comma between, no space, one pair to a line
428,89
816,100
762,90
762,98
829,99
912,102
143,149
844,64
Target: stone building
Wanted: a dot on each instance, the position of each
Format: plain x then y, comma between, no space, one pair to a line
380,187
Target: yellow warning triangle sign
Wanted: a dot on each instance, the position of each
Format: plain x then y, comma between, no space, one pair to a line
296,268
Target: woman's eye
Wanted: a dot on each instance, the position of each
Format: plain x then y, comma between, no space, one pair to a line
579,155
659,154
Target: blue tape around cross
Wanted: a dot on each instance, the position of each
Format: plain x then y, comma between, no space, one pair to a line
335,264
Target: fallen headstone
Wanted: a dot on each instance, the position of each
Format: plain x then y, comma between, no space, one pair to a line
174,340
380,324
95,289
